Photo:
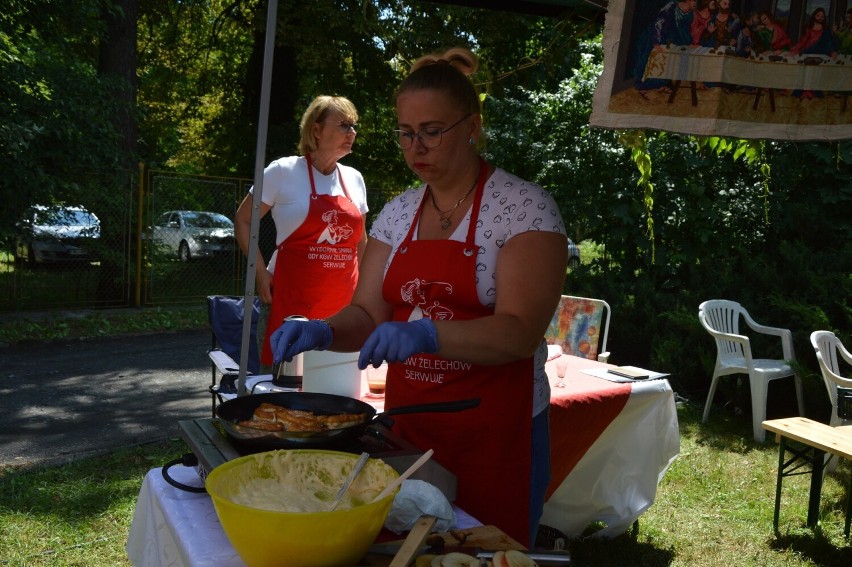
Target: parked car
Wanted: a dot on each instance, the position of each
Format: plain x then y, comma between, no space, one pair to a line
57,233
573,255
193,234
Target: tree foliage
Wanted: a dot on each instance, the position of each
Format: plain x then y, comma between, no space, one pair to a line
202,118
680,219
54,117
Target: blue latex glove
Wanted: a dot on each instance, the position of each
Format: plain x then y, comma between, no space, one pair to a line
396,341
293,337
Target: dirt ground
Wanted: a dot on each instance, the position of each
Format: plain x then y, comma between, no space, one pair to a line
61,401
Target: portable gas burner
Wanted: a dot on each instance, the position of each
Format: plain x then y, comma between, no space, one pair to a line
212,447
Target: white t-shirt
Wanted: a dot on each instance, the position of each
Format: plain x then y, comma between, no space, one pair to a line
509,206
287,189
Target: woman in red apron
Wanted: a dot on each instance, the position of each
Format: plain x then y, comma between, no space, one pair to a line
317,266
318,207
460,441
459,281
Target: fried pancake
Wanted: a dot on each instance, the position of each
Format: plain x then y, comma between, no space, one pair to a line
270,417
343,420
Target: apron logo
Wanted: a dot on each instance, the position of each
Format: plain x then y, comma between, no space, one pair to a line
334,233
419,293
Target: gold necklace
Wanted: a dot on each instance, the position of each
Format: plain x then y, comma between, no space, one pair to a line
445,216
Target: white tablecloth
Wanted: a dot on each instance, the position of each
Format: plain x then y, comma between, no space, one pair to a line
174,528
707,65
615,479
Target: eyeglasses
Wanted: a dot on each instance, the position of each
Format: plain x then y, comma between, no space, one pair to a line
345,126
429,137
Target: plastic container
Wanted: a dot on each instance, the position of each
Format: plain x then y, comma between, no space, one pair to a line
267,538
332,373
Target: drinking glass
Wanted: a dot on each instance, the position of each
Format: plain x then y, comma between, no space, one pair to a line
561,363
376,381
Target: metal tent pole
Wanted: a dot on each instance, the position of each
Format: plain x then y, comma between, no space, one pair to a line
259,163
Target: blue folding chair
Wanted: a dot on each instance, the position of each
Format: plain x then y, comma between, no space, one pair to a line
225,314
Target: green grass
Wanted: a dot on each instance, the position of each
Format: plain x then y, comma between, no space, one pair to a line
91,324
714,507
76,514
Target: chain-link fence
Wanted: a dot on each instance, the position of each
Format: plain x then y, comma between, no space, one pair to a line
189,248
130,239
74,253
143,238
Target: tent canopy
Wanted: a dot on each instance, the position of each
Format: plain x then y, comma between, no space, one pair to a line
554,8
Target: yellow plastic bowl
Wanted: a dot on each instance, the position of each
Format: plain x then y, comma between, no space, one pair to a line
264,537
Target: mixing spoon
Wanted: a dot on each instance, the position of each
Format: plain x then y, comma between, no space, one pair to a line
408,472
353,474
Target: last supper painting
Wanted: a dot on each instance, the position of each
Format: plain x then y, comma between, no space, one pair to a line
749,68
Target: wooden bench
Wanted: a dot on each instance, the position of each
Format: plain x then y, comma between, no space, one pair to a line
814,440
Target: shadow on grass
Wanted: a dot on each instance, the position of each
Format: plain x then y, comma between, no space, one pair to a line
819,544
726,429
814,545
619,551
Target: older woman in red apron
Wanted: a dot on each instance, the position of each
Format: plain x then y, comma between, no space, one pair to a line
458,284
318,206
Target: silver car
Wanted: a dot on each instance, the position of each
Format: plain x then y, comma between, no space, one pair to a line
193,234
57,234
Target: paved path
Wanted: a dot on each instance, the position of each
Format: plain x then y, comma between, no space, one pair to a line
61,401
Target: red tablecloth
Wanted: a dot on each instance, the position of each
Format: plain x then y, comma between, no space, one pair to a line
579,412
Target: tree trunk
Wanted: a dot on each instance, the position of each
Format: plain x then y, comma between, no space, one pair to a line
283,125
117,63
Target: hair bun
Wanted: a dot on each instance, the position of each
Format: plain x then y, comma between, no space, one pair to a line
460,58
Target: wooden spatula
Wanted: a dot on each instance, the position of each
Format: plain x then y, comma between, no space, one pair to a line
422,528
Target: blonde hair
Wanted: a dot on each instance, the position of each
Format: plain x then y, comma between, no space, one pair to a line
319,109
447,71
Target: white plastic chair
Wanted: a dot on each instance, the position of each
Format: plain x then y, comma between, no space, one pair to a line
721,319
580,326
827,347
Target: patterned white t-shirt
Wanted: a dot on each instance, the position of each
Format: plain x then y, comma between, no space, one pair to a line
510,206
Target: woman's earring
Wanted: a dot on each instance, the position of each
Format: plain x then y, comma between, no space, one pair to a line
471,141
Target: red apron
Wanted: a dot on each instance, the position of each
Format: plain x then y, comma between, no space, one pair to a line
317,266
488,448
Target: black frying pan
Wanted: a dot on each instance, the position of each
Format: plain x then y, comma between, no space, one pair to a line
242,408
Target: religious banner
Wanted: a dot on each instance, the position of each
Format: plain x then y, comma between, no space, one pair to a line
777,69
